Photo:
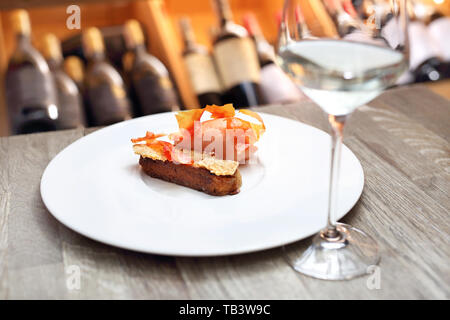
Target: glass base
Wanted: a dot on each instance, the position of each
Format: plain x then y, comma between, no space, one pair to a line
345,257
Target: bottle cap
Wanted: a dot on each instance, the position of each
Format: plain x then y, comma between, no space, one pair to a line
51,47
20,21
92,41
133,33
74,68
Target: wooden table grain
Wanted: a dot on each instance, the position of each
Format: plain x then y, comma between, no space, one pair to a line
402,141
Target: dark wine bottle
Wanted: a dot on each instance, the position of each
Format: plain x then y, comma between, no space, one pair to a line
70,107
105,91
114,43
75,69
236,60
276,86
200,67
425,61
149,79
30,91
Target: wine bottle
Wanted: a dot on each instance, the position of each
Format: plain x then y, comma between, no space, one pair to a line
149,79
200,67
30,92
276,86
105,91
266,52
71,113
75,69
425,61
236,60
438,29
113,40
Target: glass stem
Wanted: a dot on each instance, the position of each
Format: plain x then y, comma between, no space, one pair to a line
337,125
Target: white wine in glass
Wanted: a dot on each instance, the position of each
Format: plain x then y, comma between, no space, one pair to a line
357,52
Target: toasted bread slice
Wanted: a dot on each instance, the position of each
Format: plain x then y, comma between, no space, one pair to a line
207,174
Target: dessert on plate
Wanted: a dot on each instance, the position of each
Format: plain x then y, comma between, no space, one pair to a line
206,151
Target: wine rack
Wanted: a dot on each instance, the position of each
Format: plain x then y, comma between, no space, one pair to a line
50,16
160,20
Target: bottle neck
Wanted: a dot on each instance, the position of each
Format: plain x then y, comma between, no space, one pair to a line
189,45
93,45
254,30
20,23
23,39
224,13
97,56
54,63
188,37
135,55
139,49
260,39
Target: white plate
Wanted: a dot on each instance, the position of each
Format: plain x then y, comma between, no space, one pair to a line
95,187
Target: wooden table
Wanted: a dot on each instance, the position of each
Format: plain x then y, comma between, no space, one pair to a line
402,141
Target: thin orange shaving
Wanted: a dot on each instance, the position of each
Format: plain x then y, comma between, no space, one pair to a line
162,147
148,137
258,129
186,119
253,115
225,111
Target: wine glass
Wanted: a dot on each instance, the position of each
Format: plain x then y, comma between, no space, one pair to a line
343,54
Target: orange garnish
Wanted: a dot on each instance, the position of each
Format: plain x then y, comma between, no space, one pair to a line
167,149
225,111
253,115
186,119
148,137
162,147
257,128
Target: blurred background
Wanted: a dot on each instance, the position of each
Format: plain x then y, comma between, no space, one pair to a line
100,62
